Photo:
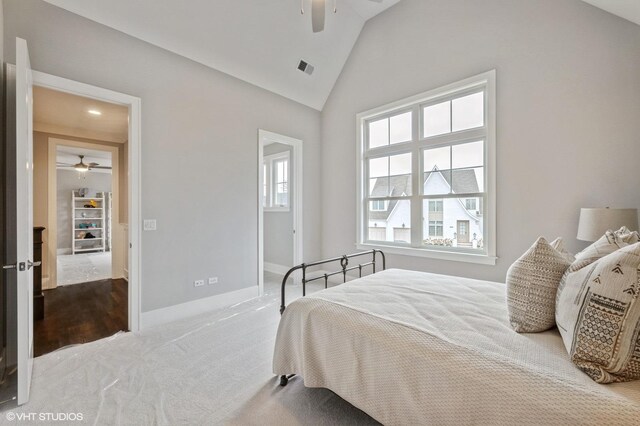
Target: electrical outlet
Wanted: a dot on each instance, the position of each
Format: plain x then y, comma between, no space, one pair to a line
150,225
213,280
198,283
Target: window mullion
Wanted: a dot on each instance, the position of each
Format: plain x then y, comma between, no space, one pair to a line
416,184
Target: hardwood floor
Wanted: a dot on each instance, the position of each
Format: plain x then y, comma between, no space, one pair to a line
81,313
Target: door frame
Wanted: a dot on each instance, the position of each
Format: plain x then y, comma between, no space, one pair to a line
264,138
53,143
134,104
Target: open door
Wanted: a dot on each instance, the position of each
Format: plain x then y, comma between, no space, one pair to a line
22,204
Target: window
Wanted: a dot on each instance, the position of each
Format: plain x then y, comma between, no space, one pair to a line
471,204
276,182
378,205
426,181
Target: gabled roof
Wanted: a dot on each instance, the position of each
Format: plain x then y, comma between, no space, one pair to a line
464,180
461,181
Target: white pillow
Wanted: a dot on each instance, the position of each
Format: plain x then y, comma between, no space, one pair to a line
598,315
558,244
532,282
607,244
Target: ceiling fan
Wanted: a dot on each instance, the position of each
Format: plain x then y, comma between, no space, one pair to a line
318,10
82,166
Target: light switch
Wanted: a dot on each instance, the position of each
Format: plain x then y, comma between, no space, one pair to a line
150,225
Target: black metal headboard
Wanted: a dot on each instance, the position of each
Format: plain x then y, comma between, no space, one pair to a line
344,265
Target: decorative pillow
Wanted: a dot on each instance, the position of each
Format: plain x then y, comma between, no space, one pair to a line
607,244
558,244
598,315
532,282
629,237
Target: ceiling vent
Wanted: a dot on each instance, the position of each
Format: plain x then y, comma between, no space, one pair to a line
306,67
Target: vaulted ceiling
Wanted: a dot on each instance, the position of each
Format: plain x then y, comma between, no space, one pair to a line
259,41
627,9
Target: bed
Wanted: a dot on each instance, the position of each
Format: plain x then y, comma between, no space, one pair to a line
410,347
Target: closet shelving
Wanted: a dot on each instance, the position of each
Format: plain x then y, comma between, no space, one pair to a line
88,220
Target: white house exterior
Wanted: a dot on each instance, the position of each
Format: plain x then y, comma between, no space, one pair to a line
447,221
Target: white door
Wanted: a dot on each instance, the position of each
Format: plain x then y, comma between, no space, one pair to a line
24,216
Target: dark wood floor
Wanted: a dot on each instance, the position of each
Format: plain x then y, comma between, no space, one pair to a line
81,313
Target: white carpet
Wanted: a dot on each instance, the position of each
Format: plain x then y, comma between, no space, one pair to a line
211,369
83,268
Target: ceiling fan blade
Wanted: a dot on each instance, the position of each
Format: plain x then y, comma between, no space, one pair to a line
93,164
101,167
318,11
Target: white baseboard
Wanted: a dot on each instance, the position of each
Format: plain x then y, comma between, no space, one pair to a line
63,251
275,268
196,307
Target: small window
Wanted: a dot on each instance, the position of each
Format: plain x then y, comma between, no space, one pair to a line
276,182
471,203
378,205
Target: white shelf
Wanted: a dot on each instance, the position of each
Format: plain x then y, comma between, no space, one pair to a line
89,249
77,205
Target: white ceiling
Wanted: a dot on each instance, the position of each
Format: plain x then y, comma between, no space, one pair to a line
259,41
627,9
69,155
66,114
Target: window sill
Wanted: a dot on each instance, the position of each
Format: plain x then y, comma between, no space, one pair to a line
480,259
276,210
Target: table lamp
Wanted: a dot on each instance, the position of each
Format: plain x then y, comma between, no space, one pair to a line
594,222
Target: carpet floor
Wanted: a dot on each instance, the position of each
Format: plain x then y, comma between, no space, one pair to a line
211,369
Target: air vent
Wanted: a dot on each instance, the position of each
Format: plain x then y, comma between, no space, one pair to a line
306,67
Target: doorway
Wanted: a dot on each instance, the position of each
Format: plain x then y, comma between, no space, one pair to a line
80,208
279,207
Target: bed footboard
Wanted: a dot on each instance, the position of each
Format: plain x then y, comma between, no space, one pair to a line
344,269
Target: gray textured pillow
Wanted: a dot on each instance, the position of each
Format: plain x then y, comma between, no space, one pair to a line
598,315
532,282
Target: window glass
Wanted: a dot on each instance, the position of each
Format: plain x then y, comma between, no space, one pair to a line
468,112
437,171
392,224
436,119
451,224
401,128
390,176
379,133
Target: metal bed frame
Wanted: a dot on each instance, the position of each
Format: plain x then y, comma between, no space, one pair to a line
344,268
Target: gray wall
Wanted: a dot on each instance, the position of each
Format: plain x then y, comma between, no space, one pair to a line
278,226
67,181
568,87
200,132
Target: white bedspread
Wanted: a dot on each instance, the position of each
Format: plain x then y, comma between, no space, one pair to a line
415,348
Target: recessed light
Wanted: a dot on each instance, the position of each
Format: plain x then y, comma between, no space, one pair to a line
94,112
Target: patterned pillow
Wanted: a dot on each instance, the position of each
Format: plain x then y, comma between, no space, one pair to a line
629,237
607,244
598,315
558,244
532,282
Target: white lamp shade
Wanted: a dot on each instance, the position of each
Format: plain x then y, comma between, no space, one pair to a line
595,222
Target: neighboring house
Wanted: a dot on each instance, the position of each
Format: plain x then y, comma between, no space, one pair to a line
451,221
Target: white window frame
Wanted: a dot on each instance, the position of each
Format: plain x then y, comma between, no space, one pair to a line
271,186
485,81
